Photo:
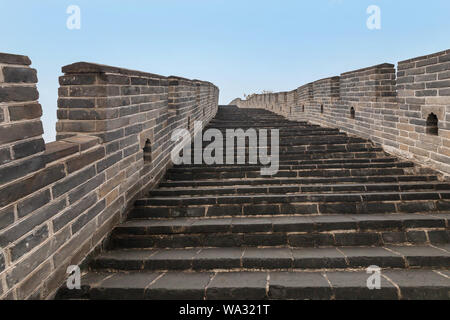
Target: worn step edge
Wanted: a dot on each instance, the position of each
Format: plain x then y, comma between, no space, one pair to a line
203,259
311,180
435,236
325,285
287,189
296,198
290,223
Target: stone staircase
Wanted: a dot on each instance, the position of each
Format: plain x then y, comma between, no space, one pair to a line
338,205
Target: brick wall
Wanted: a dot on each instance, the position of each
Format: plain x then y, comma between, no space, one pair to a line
392,109
59,201
423,86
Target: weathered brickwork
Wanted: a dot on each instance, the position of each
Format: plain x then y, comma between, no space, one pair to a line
408,112
59,201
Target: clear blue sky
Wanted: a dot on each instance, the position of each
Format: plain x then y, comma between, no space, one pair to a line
243,46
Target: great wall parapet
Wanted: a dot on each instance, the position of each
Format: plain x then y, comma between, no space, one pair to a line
60,200
407,111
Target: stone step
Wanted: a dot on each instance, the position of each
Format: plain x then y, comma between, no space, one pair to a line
312,138
277,239
274,124
299,188
295,198
304,162
268,125
296,146
206,259
292,168
283,129
275,205
300,134
306,132
338,205
292,231
298,153
324,154
288,223
306,173
259,119
374,153
300,181
430,284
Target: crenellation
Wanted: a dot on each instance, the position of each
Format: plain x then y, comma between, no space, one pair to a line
14,59
390,106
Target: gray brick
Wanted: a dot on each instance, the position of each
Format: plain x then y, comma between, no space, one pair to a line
22,188
109,161
85,188
28,148
318,258
18,75
20,169
67,103
25,112
130,286
212,258
6,217
78,79
19,131
26,288
439,236
73,181
85,159
30,222
444,92
29,243
444,58
8,58
439,84
33,203
88,216
267,258
18,94
2,261
5,156
73,212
